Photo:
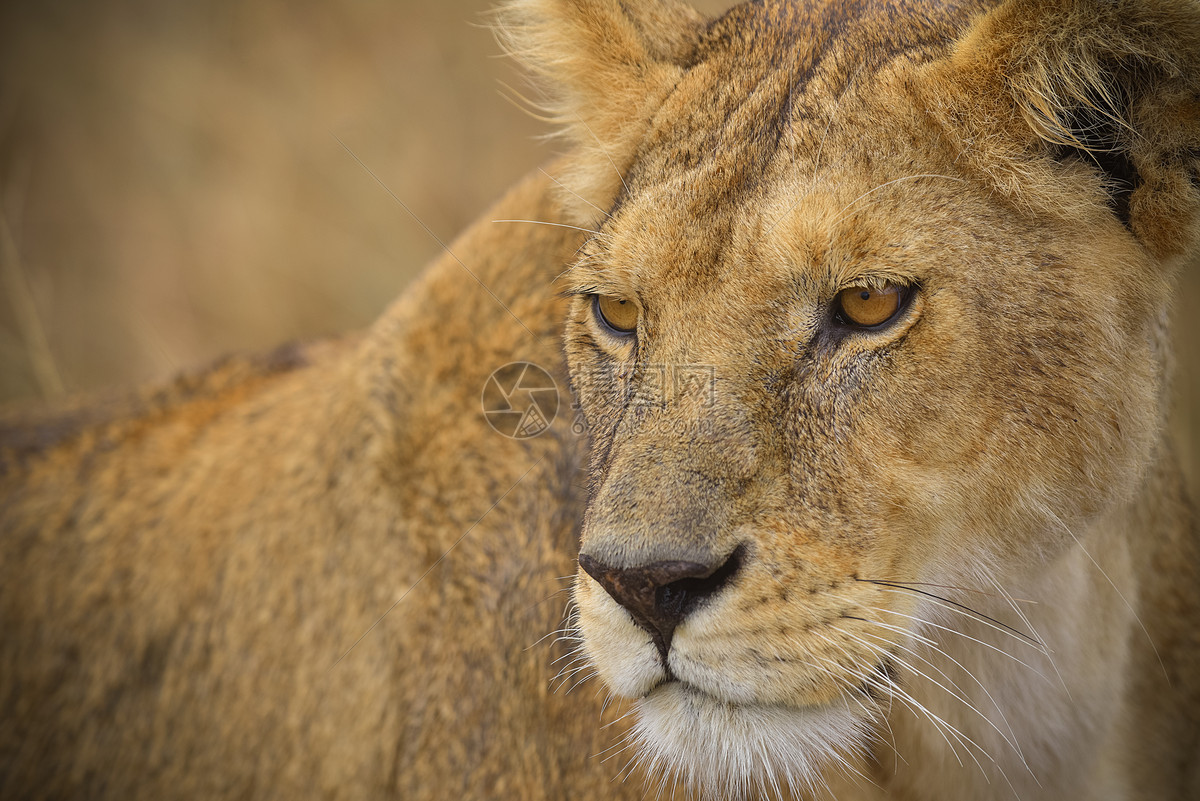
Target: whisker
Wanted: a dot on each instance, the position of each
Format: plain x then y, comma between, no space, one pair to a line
998,594
545,637
581,681
1050,513
575,659
854,693
892,689
554,224
631,712
956,632
882,651
565,188
549,597
604,150
957,693
569,632
900,629
608,697
570,676
614,749
633,756
1029,625
960,607
635,761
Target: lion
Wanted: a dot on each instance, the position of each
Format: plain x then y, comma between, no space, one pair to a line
865,490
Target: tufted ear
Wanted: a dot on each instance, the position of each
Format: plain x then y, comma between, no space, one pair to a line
1107,86
605,66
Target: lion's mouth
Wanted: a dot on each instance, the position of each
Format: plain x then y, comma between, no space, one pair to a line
695,691
879,677
670,680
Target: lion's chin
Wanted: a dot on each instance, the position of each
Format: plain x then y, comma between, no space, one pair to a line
740,750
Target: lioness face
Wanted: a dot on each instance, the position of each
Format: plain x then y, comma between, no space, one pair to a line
826,370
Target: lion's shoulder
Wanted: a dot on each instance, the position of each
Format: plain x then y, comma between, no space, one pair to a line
99,422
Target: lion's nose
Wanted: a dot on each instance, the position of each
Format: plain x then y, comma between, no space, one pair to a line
660,595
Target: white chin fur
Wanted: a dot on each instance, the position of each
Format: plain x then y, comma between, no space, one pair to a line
739,751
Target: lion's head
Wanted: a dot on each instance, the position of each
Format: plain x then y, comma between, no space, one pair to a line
870,322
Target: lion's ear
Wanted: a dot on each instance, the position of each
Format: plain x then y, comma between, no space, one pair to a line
1110,84
605,66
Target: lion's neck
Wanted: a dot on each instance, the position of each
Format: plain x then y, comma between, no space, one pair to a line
1028,715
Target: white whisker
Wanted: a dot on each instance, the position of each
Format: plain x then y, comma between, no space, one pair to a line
565,188
1020,637
958,633
890,688
553,224
1050,513
957,692
604,150
1012,602
954,606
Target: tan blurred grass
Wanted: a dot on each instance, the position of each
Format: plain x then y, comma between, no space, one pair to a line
173,188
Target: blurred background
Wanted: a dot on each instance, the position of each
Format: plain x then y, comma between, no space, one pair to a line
172,186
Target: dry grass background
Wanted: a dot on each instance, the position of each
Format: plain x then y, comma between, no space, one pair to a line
171,187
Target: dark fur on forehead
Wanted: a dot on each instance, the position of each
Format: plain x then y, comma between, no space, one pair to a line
765,56
872,32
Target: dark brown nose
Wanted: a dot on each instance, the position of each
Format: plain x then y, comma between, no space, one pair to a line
660,595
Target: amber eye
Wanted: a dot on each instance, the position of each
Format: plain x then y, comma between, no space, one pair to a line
617,313
868,306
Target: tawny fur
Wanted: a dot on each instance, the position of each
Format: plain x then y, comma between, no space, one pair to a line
969,567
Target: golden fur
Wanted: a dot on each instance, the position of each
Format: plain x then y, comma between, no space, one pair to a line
956,560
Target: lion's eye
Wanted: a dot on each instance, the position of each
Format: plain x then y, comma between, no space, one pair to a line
618,314
867,306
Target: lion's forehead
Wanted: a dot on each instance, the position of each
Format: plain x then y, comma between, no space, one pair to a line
775,76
